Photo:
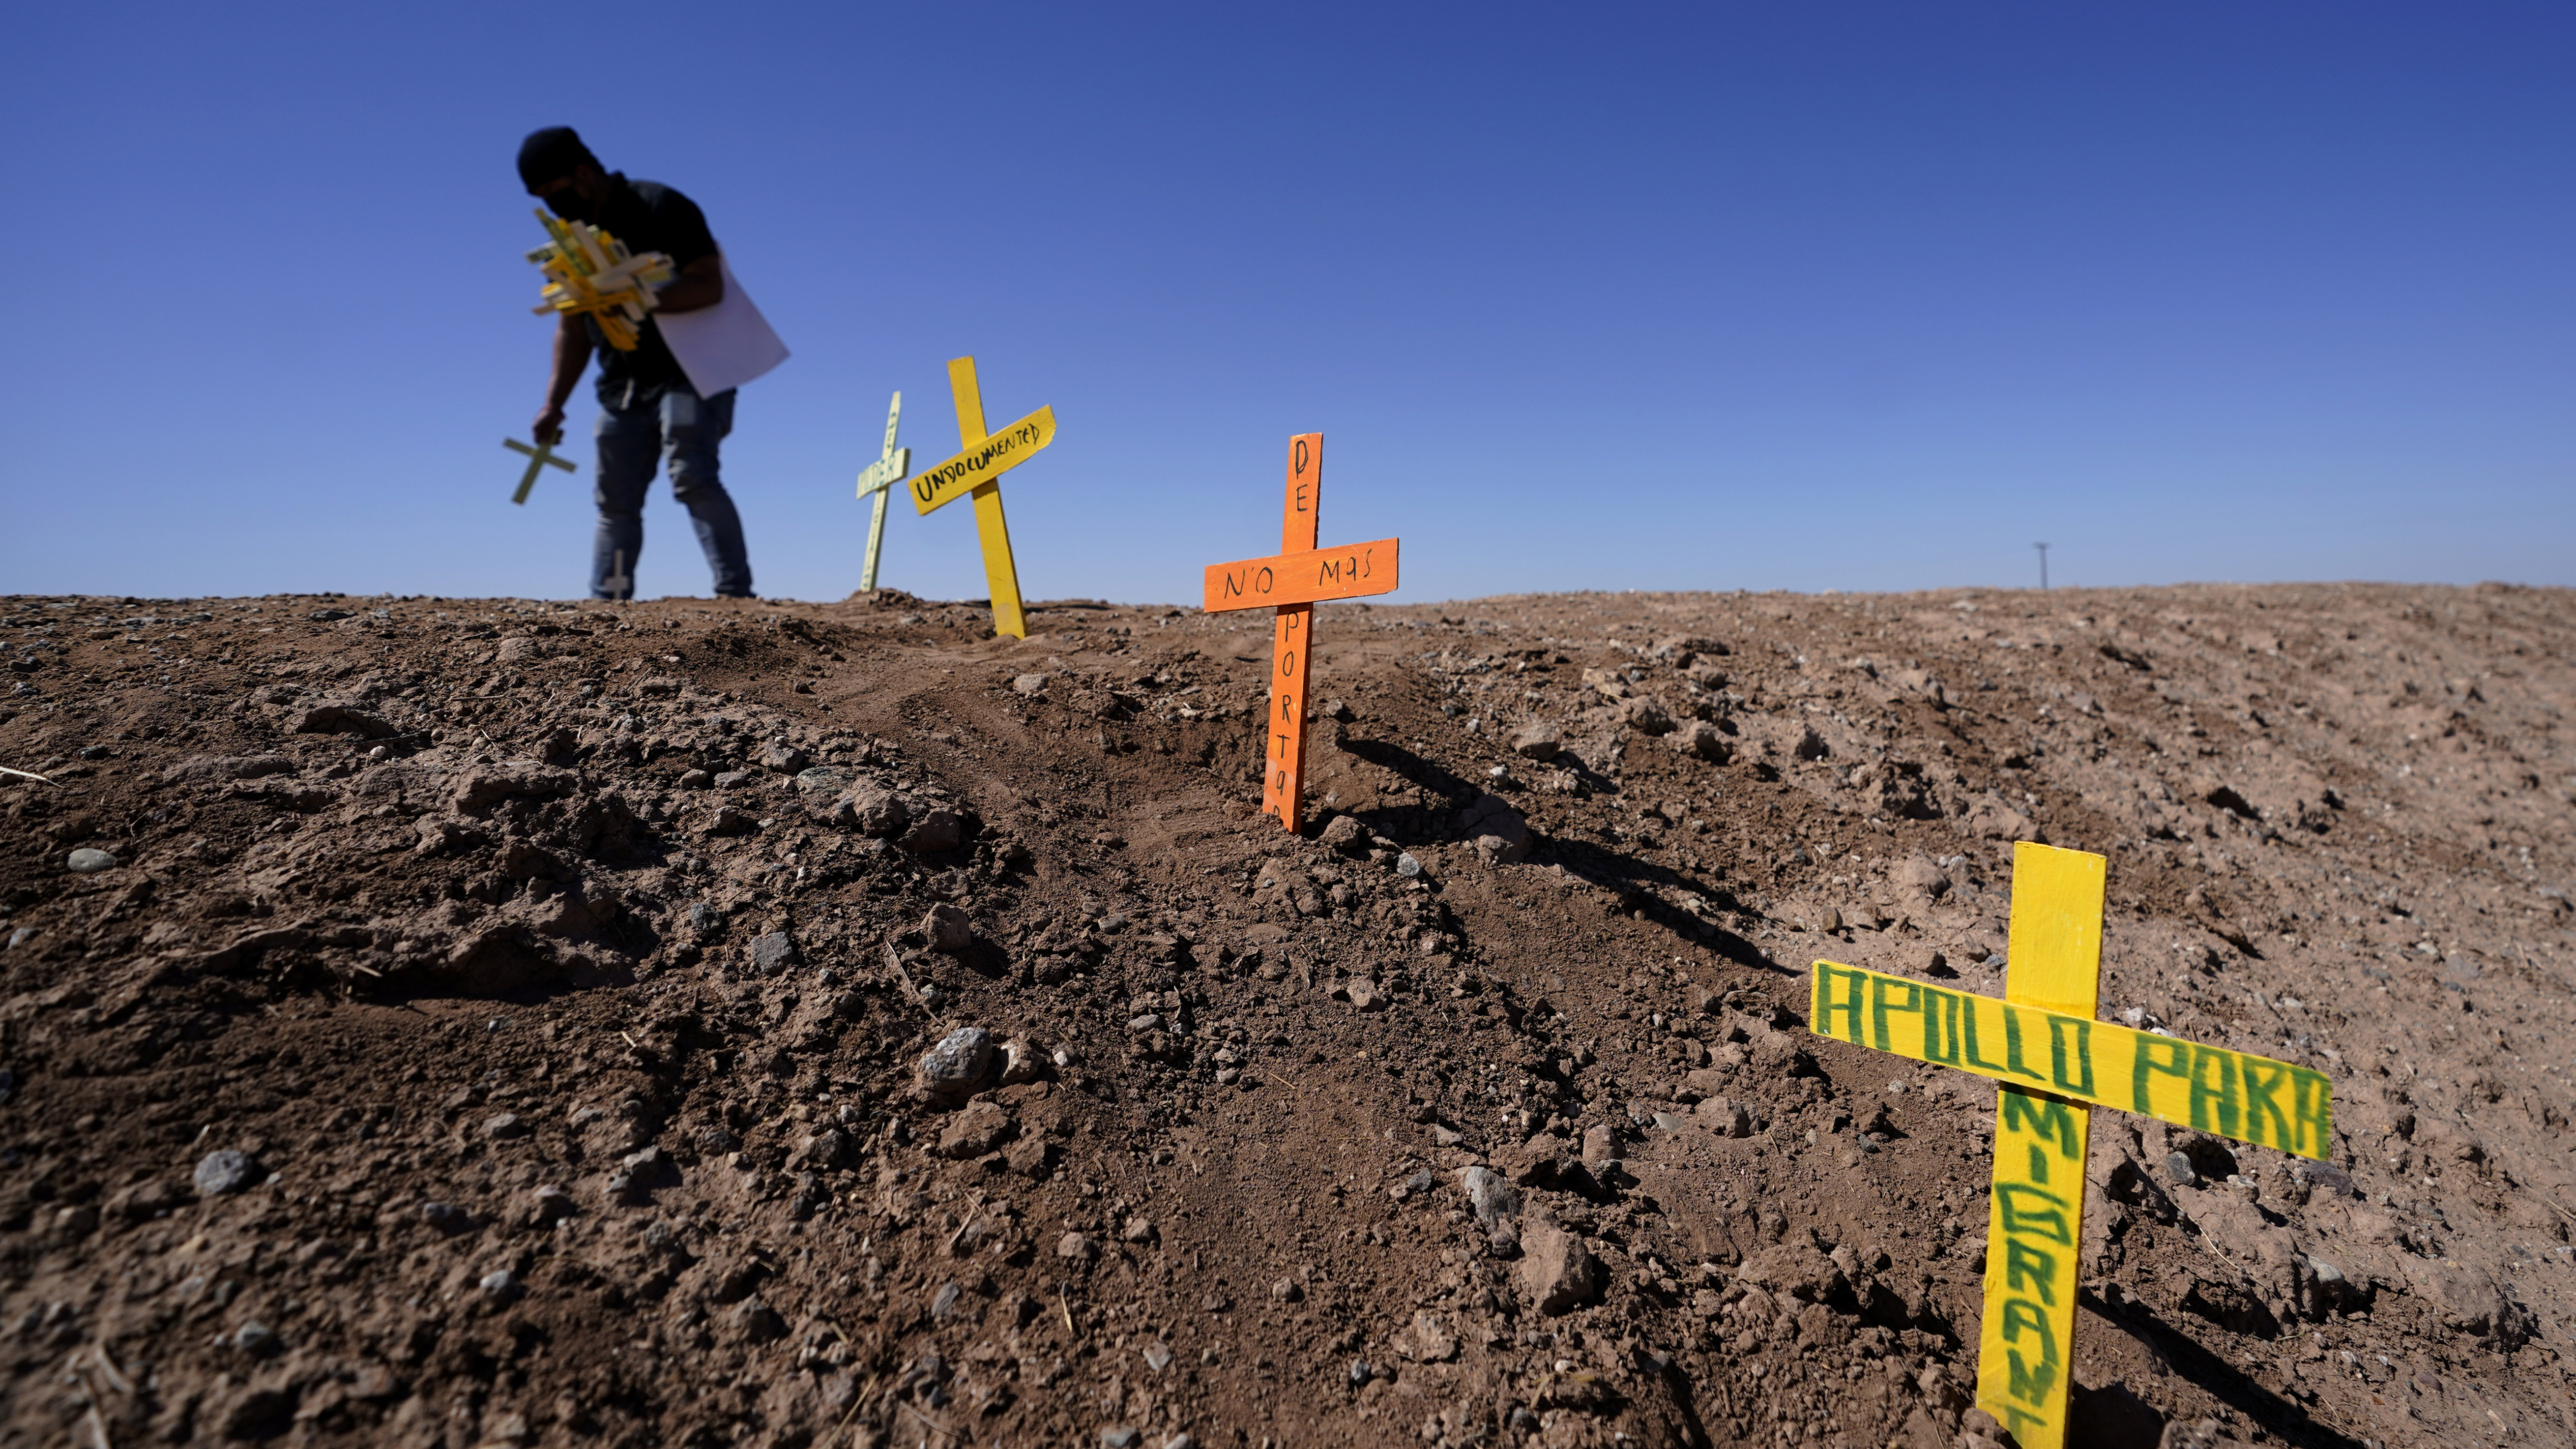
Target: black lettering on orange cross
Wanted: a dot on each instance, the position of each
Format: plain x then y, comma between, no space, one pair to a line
1294,581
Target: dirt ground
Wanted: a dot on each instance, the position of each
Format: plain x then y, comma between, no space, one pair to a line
472,1022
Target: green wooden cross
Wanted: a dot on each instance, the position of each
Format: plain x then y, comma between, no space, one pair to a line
619,584
540,456
879,478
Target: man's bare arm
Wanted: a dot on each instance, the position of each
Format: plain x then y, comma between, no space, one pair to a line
572,354
699,285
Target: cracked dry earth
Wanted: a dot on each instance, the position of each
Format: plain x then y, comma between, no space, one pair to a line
439,1022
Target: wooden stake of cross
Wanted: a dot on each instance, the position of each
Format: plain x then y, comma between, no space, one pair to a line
879,478
977,473
540,456
619,584
1294,580
2053,1061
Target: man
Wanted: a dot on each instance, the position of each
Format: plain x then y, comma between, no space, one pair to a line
646,404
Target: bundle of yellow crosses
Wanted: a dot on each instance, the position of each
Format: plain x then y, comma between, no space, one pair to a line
587,270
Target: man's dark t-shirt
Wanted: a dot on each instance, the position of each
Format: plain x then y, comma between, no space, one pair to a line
648,217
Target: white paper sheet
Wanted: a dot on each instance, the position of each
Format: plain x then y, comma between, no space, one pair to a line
723,346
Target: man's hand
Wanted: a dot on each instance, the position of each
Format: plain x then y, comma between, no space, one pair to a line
572,354
699,285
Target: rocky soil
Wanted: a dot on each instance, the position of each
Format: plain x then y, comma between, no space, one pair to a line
468,1022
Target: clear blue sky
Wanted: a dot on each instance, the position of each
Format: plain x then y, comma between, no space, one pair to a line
1858,296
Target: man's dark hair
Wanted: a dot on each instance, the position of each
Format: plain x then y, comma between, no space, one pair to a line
551,155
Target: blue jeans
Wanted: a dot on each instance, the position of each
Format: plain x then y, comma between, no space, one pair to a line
683,430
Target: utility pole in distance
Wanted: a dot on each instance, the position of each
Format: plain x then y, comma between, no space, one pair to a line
2043,565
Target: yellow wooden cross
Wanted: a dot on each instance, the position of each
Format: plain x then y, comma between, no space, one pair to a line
540,456
977,473
2053,1060
1294,580
879,478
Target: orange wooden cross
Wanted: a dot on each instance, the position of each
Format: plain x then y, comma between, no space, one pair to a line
1294,580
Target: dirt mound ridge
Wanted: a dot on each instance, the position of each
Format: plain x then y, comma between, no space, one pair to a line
494,1022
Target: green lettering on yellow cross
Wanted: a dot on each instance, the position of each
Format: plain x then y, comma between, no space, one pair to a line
2058,1062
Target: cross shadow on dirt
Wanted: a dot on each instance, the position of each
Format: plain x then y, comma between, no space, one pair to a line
1641,885
2111,1417
2277,1415
1426,773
